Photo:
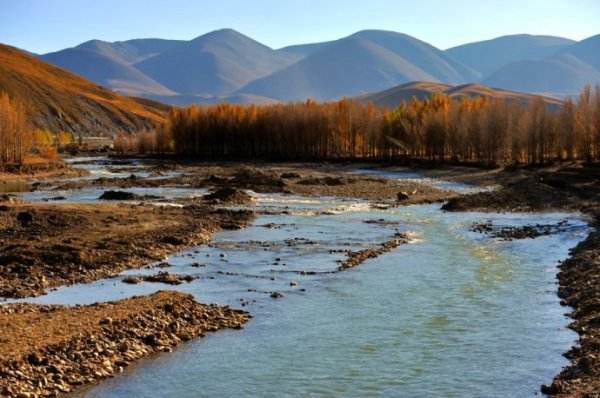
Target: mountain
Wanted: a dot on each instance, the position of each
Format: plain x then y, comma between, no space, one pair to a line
363,62
564,73
423,90
186,100
214,64
303,50
107,68
488,56
130,51
226,65
560,75
587,51
58,100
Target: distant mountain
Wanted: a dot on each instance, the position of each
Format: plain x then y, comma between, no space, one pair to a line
565,73
214,64
561,75
105,67
186,100
363,62
59,100
587,51
130,51
423,90
488,56
225,64
303,50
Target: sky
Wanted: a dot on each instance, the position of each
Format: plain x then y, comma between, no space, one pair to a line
42,26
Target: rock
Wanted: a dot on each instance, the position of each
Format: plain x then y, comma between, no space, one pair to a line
132,280
402,196
172,240
25,217
118,195
228,195
290,175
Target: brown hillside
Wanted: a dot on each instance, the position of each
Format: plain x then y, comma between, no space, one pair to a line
58,100
423,90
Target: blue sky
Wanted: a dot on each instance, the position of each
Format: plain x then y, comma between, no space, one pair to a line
48,25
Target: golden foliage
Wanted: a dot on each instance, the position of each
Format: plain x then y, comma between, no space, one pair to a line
480,129
15,136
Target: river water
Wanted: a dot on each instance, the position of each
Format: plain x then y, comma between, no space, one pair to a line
454,313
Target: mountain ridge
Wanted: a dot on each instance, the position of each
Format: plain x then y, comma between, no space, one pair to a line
225,64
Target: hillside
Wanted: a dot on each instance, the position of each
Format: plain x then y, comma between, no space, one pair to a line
58,100
363,62
486,57
214,64
423,90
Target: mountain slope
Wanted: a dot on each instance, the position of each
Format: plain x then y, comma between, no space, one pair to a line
130,51
564,74
587,51
58,100
489,56
105,67
364,62
214,64
423,90
303,50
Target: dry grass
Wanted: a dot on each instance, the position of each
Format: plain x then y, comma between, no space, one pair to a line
59,100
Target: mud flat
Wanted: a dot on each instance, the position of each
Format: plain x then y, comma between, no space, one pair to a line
45,245
302,179
573,187
47,351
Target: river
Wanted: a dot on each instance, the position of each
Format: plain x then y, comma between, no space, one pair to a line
454,313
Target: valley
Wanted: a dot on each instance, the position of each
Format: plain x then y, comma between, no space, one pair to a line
345,200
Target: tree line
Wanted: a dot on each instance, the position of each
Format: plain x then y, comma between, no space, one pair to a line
15,135
484,130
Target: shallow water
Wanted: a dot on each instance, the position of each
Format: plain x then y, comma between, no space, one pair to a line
418,177
452,314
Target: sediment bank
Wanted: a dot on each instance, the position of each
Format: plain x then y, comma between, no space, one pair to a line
46,245
48,351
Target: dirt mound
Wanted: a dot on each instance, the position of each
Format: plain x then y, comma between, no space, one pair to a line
257,180
524,195
228,195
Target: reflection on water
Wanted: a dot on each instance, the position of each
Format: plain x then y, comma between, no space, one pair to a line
454,314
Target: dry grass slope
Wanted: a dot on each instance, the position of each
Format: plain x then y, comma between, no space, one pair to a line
58,100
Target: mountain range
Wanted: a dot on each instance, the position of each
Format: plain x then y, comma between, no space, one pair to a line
225,65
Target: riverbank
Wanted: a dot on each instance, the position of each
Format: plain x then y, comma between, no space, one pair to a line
48,351
572,187
44,246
